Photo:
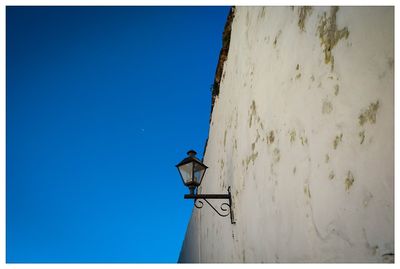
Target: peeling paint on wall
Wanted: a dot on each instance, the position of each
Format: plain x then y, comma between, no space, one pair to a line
348,182
253,112
362,136
292,136
337,141
277,37
225,138
329,35
304,140
270,137
369,114
303,13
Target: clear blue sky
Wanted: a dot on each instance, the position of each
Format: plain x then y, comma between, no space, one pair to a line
102,102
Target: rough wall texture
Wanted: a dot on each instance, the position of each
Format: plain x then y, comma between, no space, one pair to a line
303,131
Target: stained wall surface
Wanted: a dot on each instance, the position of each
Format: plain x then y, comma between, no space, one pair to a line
303,132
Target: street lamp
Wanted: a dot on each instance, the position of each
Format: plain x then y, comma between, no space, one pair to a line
192,171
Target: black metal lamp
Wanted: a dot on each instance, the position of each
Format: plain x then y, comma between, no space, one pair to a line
192,171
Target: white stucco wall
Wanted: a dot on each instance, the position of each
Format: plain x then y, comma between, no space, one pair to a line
305,139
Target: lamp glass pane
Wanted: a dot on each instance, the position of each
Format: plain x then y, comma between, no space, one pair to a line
199,171
186,172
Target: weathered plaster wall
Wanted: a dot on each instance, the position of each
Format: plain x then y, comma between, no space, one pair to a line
303,132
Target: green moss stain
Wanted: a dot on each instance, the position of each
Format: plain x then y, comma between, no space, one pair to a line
297,69
307,191
329,35
225,138
349,181
327,107
276,38
303,13
336,89
253,112
292,135
369,114
304,140
251,158
326,158
337,141
271,137
222,164
362,136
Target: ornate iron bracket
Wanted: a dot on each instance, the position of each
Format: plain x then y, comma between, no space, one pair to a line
225,209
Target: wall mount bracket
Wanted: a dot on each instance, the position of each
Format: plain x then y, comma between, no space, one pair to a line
225,209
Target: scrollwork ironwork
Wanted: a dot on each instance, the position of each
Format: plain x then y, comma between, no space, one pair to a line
224,209
199,202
